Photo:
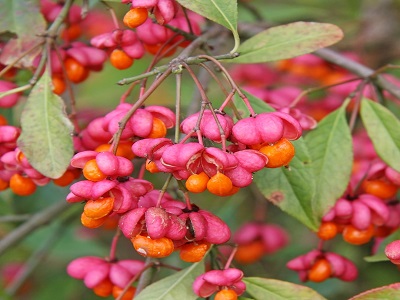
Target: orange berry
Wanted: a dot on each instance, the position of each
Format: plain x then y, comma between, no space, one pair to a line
165,52
220,185
65,178
250,253
379,188
124,149
130,293
103,148
151,166
320,271
120,60
383,231
20,156
284,65
327,230
197,183
156,248
59,85
193,252
279,154
135,17
111,222
226,295
320,71
75,71
99,208
92,223
3,120
355,236
72,32
22,186
92,172
3,184
159,129
233,191
104,288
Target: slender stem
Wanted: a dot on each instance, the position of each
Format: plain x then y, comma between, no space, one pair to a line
37,220
231,256
178,78
187,199
202,92
231,81
146,275
358,69
185,13
134,278
146,267
114,243
186,35
315,89
138,103
195,102
128,91
357,99
163,190
14,218
190,61
37,258
142,170
52,31
320,244
336,58
217,80
16,90
23,54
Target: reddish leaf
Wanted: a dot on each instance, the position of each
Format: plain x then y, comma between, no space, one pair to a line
23,18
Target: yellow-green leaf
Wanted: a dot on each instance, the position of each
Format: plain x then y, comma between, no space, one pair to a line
46,138
287,41
223,12
383,128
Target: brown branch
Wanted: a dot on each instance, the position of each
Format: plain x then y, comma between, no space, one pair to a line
336,58
39,219
358,69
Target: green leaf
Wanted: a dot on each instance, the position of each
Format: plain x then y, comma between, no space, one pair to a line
383,128
331,150
387,292
223,12
177,286
46,137
291,189
287,41
23,18
380,252
271,289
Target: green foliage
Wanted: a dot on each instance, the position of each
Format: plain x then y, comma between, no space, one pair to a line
379,255
331,151
287,41
177,286
383,128
20,17
291,188
271,289
46,138
388,292
223,12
